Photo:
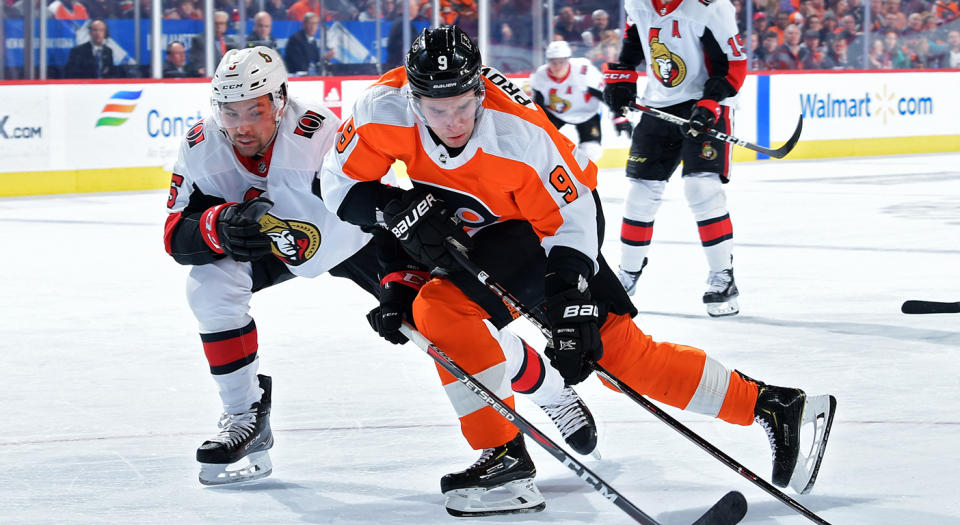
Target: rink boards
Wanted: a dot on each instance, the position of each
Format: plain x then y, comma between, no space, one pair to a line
59,137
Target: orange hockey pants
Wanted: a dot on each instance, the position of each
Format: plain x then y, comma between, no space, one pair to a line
667,372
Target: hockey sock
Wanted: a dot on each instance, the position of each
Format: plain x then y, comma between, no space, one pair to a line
636,231
232,356
707,201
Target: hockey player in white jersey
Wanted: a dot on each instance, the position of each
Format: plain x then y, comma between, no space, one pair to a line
570,91
695,64
245,213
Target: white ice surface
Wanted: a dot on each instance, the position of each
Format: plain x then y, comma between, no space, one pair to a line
106,393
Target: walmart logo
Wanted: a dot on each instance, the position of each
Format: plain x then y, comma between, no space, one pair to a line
118,108
883,105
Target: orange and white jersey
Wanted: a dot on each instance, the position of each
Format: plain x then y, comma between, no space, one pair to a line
515,166
569,98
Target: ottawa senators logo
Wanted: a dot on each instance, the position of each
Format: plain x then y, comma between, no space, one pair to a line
558,104
294,242
195,134
308,124
669,68
708,152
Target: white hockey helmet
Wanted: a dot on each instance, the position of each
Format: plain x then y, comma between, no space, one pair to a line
245,74
559,49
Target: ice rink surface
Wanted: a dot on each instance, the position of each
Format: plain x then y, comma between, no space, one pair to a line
106,392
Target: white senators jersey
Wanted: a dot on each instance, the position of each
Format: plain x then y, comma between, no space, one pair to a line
305,235
515,166
685,42
568,98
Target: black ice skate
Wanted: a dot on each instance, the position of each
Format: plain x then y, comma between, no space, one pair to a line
629,279
244,436
506,467
574,421
782,412
721,296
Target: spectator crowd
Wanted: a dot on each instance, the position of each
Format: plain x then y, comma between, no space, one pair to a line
784,34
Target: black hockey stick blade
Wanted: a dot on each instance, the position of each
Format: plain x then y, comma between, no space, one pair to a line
930,307
729,510
782,151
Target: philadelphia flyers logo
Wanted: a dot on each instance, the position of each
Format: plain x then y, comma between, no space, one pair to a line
308,124
468,208
195,134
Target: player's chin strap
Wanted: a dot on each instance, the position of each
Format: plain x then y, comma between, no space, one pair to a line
711,449
778,153
729,510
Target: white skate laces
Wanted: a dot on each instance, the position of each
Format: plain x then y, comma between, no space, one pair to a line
565,413
718,281
234,428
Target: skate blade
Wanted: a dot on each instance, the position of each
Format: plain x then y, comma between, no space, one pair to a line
521,496
257,466
817,412
730,307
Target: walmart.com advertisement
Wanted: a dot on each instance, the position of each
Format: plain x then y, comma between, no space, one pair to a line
866,105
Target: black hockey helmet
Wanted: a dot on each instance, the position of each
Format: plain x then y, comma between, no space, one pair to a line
443,62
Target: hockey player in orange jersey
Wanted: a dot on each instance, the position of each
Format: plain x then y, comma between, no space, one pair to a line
491,174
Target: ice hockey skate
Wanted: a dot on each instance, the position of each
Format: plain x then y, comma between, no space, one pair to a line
239,452
721,296
783,413
629,279
500,482
574,420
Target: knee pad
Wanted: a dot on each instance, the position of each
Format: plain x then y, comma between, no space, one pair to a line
592,149
643,199
219,294
704,193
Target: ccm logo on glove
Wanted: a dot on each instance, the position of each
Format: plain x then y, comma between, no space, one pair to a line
402,228
590,310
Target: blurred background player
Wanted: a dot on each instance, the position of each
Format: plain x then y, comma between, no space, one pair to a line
244,213
695,64
491,176
570,91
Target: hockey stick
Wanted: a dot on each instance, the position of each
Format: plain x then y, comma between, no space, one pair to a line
778,153
498,289
930,307
728,510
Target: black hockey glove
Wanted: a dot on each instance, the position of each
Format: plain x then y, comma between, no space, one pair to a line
620,89
423,224
397,292
623,126
575,325
703,118
234,229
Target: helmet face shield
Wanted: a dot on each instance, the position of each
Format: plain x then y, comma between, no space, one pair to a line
245,75
438,112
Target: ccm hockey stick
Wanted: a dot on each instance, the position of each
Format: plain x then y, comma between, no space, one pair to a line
498,289
729,510
930,307
778,153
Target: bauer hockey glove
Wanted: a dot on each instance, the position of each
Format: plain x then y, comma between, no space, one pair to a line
575,326
620,89
234,228
703,117
397,292
423,225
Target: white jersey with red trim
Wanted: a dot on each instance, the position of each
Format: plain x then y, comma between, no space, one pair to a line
569,98
678,40
515,166
306,236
